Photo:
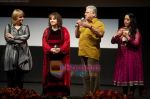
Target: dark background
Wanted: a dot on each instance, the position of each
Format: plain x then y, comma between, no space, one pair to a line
112,9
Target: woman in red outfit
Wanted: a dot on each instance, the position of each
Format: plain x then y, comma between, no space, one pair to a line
129,66
56,47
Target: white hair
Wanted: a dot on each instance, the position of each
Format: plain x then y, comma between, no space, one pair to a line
93,8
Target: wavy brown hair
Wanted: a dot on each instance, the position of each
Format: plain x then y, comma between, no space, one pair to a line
58,18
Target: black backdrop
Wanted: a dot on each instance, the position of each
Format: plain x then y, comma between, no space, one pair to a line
108,55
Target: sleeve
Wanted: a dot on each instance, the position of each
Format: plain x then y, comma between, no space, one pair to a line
65,48
46,46
116,39
102,27
135,41
25,35
18,38
7,30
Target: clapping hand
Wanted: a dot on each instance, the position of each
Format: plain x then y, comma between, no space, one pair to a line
83,23
55,50
119,33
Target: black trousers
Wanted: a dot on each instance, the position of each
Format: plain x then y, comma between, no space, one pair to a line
15,78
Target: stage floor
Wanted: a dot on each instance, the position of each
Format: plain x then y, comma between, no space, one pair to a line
77,89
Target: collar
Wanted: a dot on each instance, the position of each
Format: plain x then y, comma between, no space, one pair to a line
94,20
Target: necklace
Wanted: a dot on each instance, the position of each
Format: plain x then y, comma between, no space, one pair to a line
54,29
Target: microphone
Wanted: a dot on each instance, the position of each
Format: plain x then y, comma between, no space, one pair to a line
81,21
82,18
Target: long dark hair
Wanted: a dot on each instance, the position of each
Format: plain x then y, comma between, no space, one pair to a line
133,24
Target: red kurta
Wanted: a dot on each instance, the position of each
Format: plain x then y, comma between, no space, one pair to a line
129,65
51,84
